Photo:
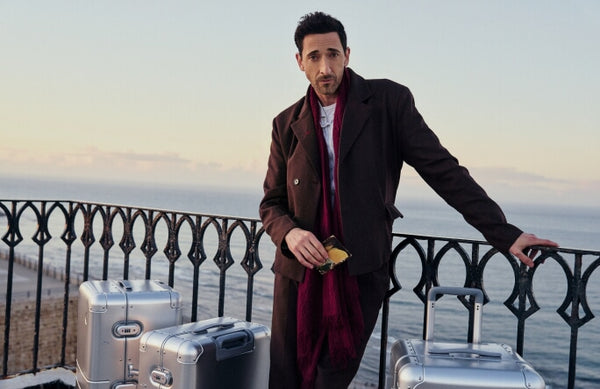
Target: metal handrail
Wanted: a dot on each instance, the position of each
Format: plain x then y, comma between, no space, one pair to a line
140,230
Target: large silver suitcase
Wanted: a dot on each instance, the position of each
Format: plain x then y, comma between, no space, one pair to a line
429,364
112,316
210,354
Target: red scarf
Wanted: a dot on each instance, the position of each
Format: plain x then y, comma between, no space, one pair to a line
328,307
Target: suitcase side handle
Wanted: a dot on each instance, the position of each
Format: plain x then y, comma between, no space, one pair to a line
456,291
125,285
234,344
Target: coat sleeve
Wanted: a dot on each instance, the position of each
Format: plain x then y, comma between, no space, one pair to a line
421,148
274,211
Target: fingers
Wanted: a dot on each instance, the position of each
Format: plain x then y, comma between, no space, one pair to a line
525,259
305,246
521,247
531,253
535,241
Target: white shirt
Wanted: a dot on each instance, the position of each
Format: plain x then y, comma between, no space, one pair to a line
327,116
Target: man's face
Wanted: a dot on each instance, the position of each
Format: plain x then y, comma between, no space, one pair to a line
323,61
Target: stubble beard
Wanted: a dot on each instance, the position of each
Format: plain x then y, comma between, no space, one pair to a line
329,89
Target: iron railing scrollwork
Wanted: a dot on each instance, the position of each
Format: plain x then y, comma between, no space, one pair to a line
237,240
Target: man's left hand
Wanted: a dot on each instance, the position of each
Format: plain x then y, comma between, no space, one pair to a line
520,248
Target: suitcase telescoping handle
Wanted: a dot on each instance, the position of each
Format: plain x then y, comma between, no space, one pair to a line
456,291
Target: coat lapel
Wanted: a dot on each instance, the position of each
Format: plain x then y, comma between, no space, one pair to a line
304,129
356,114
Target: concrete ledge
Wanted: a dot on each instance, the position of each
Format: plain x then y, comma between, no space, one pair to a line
54,378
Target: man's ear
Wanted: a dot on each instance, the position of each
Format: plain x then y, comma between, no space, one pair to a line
299,60
347,57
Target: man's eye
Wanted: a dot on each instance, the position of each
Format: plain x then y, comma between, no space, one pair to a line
312,57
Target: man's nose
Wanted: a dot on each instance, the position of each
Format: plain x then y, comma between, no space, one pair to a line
325,67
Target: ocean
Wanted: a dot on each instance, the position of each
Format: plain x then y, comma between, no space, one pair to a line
546,334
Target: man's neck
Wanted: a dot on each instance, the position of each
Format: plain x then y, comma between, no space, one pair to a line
327,100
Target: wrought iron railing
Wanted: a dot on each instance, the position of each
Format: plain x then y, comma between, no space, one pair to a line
64,235
574,310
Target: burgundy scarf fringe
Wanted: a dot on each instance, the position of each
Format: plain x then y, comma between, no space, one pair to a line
328,305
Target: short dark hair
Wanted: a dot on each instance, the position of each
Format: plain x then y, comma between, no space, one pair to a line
318,23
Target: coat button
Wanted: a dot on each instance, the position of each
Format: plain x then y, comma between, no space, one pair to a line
296,181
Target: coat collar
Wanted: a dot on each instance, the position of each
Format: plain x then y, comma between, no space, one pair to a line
355,116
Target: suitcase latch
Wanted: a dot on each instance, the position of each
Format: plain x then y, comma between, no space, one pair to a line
130,329
162,377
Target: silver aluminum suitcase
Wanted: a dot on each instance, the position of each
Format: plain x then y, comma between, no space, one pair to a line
429,364
216,353
112,315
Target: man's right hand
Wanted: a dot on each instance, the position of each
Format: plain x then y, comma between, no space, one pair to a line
305,246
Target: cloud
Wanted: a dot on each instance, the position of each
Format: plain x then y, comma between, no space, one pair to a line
508,184
502,173
510,177
146,157
167,169
158,168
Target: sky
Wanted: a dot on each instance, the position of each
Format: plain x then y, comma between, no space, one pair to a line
184,92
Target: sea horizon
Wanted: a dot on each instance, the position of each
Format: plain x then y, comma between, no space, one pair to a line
546,220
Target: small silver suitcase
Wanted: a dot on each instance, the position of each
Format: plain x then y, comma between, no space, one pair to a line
112,315
429,364
217,353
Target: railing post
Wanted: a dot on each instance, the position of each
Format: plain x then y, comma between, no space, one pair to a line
10,239
41,237
574,319
222,262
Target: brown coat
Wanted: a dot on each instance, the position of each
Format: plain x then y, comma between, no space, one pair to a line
381,130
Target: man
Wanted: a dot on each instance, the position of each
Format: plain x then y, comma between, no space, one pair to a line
333,169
